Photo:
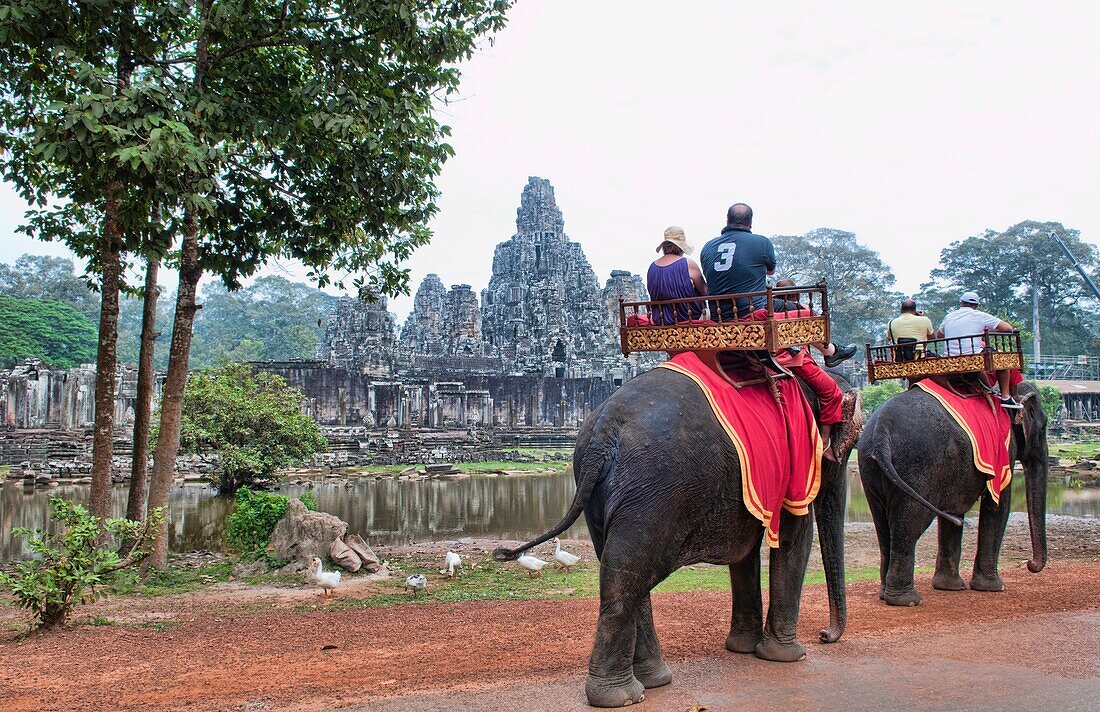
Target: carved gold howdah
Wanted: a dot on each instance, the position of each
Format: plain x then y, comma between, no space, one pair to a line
998,351
708,324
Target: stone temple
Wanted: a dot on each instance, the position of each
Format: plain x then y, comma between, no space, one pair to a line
539,347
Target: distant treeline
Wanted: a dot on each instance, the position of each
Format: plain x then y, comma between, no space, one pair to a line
48,311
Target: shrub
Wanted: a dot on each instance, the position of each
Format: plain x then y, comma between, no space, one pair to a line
309,500
72,567
876,394
1051,398
253,520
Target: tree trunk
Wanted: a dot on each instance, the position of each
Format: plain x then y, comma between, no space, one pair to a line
110,256
171,402
143,409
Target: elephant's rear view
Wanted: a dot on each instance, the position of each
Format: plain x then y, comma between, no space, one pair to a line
921,456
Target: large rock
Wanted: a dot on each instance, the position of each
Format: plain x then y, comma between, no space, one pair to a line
302,534
371,562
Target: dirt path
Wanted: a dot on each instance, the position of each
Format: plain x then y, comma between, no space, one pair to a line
278,660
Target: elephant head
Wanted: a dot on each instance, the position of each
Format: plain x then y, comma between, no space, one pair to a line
1030,432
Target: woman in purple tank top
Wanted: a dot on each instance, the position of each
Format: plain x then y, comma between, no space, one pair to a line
674,276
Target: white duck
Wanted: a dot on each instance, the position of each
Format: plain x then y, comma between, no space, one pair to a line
416,582
327,580
533,564
452,564
564,558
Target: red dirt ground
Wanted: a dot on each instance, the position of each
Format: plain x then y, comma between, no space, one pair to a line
275,660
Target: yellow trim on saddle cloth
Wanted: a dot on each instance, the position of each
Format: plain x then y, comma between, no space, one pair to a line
749,495
984,467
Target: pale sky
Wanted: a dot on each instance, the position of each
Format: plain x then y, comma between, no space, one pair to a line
911,125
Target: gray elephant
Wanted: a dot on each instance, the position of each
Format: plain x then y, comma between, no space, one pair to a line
916,464
660,487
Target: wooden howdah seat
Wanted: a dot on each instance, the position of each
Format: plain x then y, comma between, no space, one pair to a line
992,351
710,323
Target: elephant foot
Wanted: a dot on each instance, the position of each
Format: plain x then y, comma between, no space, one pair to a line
948,582
904,598
652,673
882,592
743,642
619,691
987,583
772,649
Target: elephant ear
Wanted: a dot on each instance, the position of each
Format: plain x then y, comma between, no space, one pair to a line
1029,418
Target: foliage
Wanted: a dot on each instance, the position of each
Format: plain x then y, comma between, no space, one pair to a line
862,298
47,330
72,567
1052,401
254,518
876,394
1006,268
48,278
271,319
309,500
252,420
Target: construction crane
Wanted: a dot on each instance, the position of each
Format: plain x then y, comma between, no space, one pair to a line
1076,265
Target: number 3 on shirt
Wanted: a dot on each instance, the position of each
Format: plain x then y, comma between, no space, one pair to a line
725,257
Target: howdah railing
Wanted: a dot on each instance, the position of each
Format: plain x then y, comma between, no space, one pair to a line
770,320
990,351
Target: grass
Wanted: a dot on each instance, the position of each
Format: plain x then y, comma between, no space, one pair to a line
1075,451
5,470
492,581
181,579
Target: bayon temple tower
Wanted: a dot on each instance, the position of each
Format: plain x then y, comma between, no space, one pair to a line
543,313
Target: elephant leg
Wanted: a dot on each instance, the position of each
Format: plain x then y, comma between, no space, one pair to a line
908,520
649,665
747,624
882,531
787,570
630,567
992,519
947,576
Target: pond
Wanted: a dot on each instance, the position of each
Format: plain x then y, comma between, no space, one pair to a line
389,511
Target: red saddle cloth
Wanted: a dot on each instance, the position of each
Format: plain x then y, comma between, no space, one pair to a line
987,425
778,446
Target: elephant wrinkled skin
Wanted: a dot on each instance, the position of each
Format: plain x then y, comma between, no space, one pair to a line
916,464
660,486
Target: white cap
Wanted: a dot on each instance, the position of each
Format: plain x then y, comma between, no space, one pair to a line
970,298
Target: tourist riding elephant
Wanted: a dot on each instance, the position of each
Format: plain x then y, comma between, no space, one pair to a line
916,463
659,483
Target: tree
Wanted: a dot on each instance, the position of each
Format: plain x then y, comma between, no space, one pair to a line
52,278
271,319
861,294
51,331
81,141
875,394
252,420
1009,269
316,140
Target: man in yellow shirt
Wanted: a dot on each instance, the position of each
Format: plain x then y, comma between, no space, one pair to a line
908,329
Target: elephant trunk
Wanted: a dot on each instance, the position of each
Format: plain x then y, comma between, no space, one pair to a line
1037,471
829,508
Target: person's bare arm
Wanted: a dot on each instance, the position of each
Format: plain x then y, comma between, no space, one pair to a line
1005,326
696,275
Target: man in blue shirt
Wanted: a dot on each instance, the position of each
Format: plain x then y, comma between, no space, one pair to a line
738,261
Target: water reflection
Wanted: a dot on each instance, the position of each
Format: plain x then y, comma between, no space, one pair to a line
392,512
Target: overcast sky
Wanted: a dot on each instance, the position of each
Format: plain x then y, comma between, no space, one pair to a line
911,125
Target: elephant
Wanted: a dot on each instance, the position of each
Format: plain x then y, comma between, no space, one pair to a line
659,484
916,464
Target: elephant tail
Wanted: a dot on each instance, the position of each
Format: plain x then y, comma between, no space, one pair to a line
596,463
881,454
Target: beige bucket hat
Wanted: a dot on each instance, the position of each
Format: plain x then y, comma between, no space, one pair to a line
675,235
